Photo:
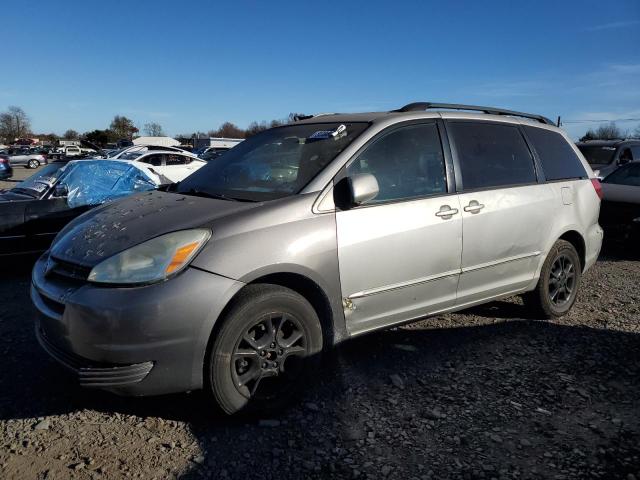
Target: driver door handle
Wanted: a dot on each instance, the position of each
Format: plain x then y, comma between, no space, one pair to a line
474,207
446,212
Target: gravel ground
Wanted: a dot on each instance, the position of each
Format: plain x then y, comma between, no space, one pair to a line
487,393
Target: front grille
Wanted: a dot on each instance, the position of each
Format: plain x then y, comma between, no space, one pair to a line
66,269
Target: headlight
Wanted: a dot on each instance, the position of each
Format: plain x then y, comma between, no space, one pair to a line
151,261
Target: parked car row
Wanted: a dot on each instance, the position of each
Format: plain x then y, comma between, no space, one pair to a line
237,278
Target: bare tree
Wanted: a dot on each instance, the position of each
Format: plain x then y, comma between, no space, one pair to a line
123,127
71,135
153,129
636,132
14,124
228,130
604,132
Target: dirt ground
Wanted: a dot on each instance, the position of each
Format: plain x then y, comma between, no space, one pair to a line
487,393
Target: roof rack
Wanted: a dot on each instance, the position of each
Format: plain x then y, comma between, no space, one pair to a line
419,106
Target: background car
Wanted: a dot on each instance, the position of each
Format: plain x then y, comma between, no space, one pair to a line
34,211
6,171
605,156
176,166
146,148
620,209
25,157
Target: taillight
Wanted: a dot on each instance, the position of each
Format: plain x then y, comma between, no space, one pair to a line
3,160
596,185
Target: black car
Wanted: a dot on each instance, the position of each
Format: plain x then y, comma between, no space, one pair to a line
6,171
620,208
605,156
35,210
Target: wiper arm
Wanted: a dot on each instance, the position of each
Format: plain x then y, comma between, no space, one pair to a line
200,193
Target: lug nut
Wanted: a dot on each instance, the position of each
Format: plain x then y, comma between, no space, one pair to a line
262,353
273,345
264,365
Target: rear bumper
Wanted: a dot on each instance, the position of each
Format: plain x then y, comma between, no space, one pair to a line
132,341
593,245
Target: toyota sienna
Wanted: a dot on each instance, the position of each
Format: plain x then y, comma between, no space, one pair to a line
238,277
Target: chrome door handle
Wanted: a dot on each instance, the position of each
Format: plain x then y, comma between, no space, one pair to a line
473,207
446,212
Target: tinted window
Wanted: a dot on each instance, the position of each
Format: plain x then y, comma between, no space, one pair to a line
635,151
407,163
155,160
492,155
626,175
598,154
558,159
175,160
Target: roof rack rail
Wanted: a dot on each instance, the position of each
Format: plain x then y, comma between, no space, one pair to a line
419,106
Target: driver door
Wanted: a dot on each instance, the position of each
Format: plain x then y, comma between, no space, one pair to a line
400,253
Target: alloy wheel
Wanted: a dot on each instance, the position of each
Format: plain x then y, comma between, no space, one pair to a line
562,280
269,356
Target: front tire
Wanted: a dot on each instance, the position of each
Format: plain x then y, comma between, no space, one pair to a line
558,284
268,343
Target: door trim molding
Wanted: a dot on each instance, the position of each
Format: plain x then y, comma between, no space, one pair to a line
397,286
431,278
498,262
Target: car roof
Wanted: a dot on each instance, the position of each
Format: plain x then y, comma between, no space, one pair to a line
419,110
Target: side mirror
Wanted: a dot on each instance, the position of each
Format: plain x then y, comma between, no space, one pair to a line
61,190
623,160
355,190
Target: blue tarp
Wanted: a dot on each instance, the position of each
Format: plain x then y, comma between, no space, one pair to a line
92,182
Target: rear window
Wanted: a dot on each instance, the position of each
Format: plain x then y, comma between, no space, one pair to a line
492,155
559,161
598,154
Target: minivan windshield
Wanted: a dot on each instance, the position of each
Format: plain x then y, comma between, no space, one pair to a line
272,164
598,154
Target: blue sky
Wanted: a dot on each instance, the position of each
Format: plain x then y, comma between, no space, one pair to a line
192,65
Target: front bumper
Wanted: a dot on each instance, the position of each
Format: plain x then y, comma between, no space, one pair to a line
133,341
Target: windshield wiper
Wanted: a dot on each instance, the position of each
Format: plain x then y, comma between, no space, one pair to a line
219,196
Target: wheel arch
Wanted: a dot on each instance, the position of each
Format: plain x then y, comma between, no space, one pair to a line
577,240
333,331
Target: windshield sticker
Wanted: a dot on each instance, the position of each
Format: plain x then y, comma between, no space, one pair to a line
339,132
40,187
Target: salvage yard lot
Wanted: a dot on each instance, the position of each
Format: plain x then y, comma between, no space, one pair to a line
487,393
19,174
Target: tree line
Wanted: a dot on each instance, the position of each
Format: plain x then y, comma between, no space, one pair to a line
16,124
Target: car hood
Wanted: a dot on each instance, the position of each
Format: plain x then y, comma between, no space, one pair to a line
9,196
117,226
620,193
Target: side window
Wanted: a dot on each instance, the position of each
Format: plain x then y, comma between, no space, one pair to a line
173,160
407,162
626,155
491,155
155,160
559,161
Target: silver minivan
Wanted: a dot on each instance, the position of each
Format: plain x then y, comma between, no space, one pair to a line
237,278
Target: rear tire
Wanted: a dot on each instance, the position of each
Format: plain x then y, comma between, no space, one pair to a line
558,284
33,164
269,342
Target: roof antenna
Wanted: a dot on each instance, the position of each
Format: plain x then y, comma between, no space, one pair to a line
559,123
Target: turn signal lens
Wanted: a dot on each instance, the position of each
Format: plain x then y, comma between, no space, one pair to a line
181,256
